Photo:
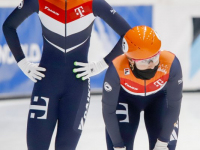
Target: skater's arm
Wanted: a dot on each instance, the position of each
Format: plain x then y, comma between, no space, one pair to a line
116,51
109,103
103,10
26,8
174,98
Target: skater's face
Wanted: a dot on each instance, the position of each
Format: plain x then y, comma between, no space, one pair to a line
144,64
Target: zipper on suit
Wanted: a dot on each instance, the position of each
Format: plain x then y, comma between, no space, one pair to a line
65,27
145,90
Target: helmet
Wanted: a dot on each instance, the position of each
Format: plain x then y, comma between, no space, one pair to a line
141,42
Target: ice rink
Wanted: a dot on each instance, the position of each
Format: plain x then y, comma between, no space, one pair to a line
13,119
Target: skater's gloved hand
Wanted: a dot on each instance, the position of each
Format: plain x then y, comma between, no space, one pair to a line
161,145
31,70
87,70
119,148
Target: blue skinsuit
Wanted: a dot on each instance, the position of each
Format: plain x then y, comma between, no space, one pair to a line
125,96
60,97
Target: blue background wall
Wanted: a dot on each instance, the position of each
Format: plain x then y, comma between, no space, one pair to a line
12,80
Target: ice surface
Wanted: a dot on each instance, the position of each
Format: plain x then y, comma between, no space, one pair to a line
14,113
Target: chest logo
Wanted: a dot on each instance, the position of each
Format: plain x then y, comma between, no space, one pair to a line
163,68
159,83
126,71
52,11
79,11
134,88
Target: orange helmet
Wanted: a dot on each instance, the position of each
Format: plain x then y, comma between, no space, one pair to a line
141,42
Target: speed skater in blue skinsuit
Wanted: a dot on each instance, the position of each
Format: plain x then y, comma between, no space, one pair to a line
145,79
60,97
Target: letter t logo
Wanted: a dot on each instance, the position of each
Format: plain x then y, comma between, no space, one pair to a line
79,11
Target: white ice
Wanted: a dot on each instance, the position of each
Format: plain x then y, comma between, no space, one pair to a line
13,119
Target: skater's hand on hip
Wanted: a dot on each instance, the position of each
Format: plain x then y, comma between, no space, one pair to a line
161,145
87,70
119,148
31,70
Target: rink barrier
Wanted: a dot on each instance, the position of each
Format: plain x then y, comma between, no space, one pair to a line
93,92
